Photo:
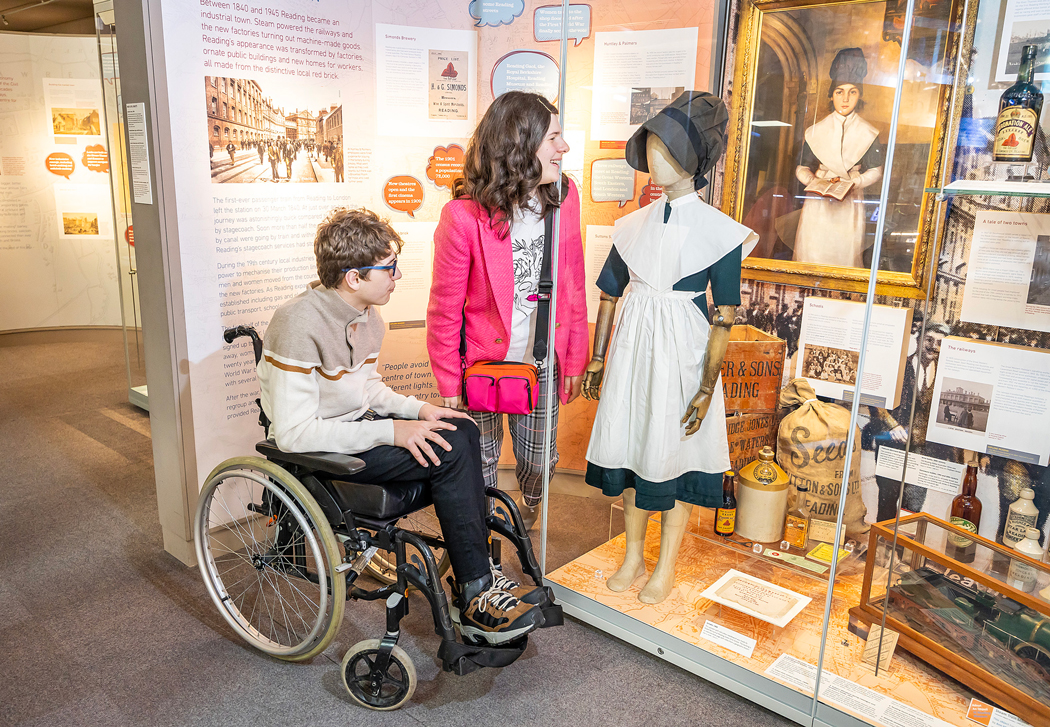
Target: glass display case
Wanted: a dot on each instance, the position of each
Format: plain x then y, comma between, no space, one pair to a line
113,113
896,315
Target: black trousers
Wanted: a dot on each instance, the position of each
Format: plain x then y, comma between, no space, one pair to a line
456,486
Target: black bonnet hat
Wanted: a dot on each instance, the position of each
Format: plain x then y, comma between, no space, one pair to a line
692,127
849,66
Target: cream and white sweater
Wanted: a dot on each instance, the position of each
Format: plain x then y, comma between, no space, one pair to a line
319,375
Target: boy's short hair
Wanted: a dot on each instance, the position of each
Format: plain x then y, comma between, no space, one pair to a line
352,238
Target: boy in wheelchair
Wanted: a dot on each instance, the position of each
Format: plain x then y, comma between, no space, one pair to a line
322,391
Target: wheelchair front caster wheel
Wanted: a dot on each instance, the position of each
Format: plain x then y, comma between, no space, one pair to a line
375,687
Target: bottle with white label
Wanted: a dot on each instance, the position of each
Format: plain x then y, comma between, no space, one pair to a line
1022,515
1023,575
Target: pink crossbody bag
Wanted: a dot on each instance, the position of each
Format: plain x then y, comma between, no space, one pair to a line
512,387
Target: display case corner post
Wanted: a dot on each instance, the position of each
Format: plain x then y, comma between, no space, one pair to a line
138,33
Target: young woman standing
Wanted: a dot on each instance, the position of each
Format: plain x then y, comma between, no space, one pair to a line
488,248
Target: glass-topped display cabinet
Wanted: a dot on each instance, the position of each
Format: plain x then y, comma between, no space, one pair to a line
980,614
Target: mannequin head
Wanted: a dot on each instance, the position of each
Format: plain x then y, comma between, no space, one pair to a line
691,132
665,170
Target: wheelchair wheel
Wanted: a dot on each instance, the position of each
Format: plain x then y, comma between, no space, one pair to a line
383,566
268,556
380,689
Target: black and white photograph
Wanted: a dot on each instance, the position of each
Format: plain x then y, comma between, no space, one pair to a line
648,101
964,404
1030,31
835,365
1039,286
272,131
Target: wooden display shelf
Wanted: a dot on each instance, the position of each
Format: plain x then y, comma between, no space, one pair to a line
683,615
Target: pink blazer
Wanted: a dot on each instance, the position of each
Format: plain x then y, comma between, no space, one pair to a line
474,275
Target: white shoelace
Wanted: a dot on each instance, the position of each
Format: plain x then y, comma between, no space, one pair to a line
501,581
499,598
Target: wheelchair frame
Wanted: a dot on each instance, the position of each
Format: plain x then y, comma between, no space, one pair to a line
308,524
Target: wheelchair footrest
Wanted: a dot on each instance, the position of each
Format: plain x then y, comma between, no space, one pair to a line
552,613
466,658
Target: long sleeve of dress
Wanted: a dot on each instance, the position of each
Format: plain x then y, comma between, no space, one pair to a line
869,170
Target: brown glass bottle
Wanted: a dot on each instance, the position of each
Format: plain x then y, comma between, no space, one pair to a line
725,517
966,514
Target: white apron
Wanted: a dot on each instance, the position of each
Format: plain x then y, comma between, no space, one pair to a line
657,352
831,232
655,361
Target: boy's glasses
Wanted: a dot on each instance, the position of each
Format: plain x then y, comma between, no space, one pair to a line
392,268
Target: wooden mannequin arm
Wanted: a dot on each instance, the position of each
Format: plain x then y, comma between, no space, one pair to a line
592,377
717,342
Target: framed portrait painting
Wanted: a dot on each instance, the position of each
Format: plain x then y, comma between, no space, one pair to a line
812,102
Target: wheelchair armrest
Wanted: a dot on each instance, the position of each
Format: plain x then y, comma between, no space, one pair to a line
331,462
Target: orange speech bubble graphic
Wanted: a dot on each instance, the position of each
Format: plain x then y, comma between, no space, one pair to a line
95,158
404,194
650,193
60,163
445,165
129,235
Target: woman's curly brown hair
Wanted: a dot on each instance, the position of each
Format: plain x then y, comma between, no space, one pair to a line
500,168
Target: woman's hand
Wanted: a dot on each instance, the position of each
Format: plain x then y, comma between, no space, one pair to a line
453,402
571,386
431,413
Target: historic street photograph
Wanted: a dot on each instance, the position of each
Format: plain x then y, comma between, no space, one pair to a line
273,131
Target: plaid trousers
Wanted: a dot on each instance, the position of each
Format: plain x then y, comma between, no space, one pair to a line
526,434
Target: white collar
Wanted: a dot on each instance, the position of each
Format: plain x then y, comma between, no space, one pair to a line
695,237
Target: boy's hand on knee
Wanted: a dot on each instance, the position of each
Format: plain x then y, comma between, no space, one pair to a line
415,436
432,413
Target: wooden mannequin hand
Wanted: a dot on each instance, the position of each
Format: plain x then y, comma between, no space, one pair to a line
592,379
697,408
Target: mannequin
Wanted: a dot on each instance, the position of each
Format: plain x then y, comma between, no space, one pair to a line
672,244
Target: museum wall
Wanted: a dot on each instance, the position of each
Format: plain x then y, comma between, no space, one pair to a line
58,262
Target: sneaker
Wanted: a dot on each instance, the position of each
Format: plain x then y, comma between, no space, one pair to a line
533,595
494,616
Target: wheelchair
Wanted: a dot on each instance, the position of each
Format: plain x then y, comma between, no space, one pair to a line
282,539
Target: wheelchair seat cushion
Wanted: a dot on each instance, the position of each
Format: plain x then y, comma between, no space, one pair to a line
380,502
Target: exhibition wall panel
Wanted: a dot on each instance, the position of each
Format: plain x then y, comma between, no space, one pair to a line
57,260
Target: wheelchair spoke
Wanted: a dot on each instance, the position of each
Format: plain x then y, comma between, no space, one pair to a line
266,553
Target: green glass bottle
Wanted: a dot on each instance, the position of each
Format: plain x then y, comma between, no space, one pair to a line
1018,119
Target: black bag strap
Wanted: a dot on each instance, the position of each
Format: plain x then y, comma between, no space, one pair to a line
543,306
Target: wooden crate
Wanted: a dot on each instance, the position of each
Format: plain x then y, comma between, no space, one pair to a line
752,370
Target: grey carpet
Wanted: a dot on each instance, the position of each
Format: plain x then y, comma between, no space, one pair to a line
99,626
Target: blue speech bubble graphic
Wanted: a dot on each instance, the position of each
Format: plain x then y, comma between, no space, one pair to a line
495,12
546,23
612,180
526,70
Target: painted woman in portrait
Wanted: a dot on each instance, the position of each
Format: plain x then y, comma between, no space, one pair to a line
842,146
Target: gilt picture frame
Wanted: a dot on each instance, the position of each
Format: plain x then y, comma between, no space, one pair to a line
789,125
